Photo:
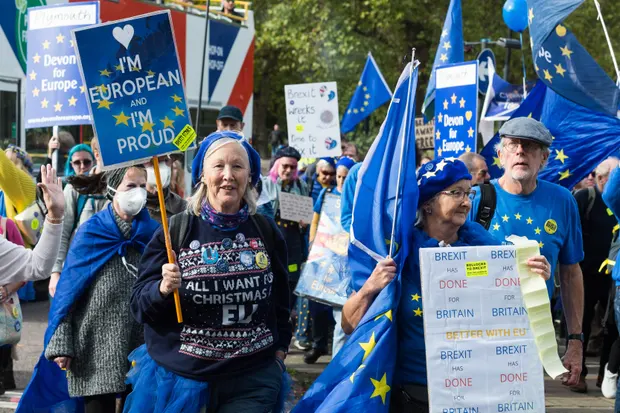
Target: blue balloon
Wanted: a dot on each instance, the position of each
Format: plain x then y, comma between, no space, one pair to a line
515,15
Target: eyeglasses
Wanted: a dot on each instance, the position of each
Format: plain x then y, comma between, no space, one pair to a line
82,162
593,173
483,172
458,194
288,166
328,173
528,146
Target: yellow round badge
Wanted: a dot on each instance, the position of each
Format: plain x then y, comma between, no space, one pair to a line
261,260
551,226
15,312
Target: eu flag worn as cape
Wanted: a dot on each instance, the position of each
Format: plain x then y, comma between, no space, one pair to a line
372,91
583,138
359,378
562,62
449,50
95,243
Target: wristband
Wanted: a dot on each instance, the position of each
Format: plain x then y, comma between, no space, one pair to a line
54,220
579,337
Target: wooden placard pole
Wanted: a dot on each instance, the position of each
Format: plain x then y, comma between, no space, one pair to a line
164,223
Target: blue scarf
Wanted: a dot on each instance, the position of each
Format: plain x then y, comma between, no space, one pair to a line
96,242
225,222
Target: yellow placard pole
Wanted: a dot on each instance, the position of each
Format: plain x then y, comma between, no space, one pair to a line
164,223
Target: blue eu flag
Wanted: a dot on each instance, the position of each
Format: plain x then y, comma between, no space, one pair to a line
562,63
359,378
450,50
372,91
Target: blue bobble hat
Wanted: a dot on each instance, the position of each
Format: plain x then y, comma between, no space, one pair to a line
437,175
346,162
330,160
253,156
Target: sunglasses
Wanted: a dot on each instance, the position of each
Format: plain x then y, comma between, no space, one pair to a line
83,162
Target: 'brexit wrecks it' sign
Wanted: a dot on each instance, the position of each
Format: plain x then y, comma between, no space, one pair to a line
134,86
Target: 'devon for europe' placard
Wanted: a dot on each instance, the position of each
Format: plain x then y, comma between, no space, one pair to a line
480,351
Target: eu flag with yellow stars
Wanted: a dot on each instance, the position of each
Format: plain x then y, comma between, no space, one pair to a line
372,91
562,63
450,50
359,378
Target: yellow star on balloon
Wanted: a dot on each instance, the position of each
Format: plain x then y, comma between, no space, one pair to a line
418,312
560,70
36,58
60,38
33,75
72,100
167,122
369,346
559,155
121,118
57,107
537,231
548,76
518,216
180,112
150,73
445,104
496,227
44,103
105,72
104,104
453,97
462,103
46,45
387,314
146,125
415,297
566,51
35,92
381,388
529,221
565,174
505,218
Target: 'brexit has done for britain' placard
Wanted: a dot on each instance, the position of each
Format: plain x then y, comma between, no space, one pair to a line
134,86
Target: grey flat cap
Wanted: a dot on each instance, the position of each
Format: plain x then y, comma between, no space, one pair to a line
527,128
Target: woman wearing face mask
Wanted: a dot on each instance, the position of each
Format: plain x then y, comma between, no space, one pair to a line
174,203
228,354
82,201
90,331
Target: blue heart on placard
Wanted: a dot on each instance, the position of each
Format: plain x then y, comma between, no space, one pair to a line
330,143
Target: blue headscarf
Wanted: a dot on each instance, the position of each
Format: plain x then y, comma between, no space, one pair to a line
95,243
82,147
330,160
346,162
199,159
437,175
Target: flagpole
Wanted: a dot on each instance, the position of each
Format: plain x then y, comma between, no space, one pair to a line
524,71
611,49
402,154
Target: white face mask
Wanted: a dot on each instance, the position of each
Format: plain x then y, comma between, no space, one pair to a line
164,172
132,201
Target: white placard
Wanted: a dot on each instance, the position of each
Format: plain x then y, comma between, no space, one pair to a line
480,351
457,75
296,207
312,119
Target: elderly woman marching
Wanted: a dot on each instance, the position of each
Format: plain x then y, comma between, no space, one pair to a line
227,355
445,186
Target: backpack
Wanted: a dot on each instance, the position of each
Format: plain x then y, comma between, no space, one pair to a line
488,202
81,203
11,318
610,262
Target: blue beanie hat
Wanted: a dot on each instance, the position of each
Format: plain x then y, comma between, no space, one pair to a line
437,175
329,160
346,162
253,156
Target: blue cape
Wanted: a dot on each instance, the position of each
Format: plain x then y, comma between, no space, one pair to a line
95,243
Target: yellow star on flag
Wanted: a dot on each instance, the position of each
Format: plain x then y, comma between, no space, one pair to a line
358,369
418,312
365,103
118,67
518,216
529,221
445,104
167,122
541,244
72,101
103,88
536,68
537,231
446,45
453,97
559,155
180,112
566,51
33,75
559,69
46,45
36,58
387,314
505,218
359,83
146,125
467,149
530,15
44,103
548,76
444,57
497,162
565,174
438,134
150,73
176,98
82,89
135,69
444,33
104,104
35,92
72,43
367,96
470,132
60,38
440,117
439,151
57,107
121,118
496,227
368,347
462,103
105,72
362,110
381,388
364,88
415,297
354,111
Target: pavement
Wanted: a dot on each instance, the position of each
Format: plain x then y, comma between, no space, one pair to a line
558,398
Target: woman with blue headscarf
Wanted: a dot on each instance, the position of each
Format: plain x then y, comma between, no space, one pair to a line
443,207
228,354
80,160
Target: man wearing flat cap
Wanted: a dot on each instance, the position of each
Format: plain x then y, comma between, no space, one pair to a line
541,211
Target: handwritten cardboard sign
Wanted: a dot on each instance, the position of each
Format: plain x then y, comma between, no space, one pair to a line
296,207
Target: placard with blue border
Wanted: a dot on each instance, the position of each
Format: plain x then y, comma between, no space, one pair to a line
134,86
55,95
456,109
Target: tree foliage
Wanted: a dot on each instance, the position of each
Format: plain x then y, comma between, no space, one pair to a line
302,41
